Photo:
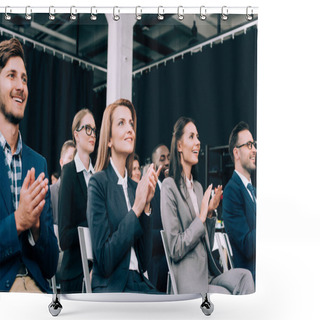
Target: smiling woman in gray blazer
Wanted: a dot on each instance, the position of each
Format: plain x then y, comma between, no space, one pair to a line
189,222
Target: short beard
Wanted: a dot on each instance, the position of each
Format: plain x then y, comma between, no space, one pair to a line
9,116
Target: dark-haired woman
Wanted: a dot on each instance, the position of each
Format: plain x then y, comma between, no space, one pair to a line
189,221
135,173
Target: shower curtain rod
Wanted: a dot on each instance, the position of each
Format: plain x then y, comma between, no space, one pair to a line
73,10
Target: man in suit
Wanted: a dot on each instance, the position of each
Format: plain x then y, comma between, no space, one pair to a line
239,199
28,246
66,155
158,268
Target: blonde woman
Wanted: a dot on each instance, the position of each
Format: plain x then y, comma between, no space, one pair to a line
119,213
73,200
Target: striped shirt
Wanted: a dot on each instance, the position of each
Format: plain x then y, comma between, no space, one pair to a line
14,167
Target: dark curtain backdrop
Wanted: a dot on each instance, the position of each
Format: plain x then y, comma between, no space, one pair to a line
216,87
58,89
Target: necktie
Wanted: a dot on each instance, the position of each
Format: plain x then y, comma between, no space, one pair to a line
252,191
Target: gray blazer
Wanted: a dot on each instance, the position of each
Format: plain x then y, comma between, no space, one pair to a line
189,240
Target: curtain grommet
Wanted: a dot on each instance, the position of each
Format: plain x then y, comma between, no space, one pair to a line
224,13
6,14
138,14
116,16
51,13
180,13
203,13
93,16
28,13
73,13
160,15
249,16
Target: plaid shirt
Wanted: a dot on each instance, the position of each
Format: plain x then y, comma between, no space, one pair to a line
14,167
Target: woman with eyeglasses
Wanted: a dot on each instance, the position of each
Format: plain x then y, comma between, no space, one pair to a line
189,218
119,213
73,200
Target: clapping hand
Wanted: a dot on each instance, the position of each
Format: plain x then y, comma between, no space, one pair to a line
145,191
32,201
215,200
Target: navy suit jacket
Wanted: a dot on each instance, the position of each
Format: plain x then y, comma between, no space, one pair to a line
41,260
239,215
114,231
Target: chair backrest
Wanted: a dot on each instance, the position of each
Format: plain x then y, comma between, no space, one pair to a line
56,233
223,244
86,254
169,262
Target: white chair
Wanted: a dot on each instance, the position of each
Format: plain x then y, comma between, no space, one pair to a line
225,251
171,284
86,255
56,278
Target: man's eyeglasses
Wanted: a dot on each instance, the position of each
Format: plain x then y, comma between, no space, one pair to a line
88,130
249,144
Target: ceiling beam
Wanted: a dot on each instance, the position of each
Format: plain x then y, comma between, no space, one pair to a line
52,33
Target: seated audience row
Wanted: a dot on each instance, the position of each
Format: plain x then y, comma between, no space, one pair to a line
124,215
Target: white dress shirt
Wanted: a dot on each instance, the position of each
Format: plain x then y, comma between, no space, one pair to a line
189,184
124,182
80,167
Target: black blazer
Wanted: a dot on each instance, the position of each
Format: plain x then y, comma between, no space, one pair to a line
72,213
114,231
158,268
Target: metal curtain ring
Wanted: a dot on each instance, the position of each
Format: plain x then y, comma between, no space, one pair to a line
180,13
138,14
249,16
160,15
6,15
116,17
93,16
28,13
203,13
51,13
73,12
224,13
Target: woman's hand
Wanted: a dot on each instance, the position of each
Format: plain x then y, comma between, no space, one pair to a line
215,200
204,204
141,196
153,179
145,191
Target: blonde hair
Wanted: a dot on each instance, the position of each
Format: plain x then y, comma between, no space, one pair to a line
77,120
104,151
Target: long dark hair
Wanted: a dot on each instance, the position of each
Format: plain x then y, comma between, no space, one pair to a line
175,168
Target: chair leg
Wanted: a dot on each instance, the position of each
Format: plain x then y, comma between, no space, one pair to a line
207,306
